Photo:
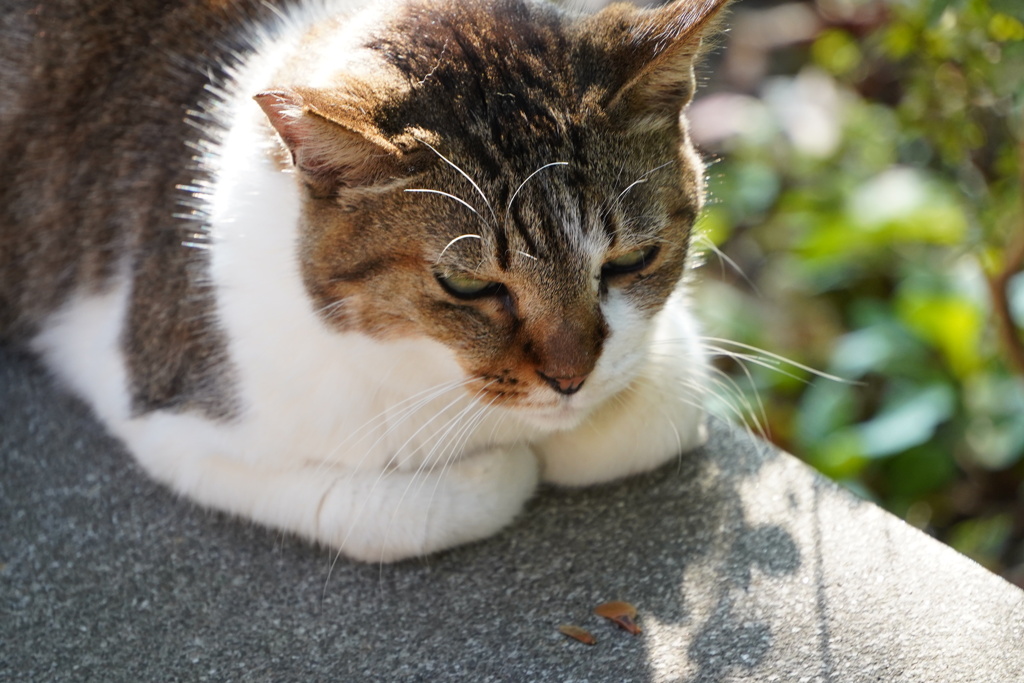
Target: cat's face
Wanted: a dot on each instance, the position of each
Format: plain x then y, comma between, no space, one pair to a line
515,185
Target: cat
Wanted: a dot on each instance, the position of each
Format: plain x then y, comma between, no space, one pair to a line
365,272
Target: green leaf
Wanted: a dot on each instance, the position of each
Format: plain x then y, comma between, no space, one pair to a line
983,539
951,322
839,455
995,430
905,205
907,422
836,51
824,408
899,40
919,471
1004,28
876,348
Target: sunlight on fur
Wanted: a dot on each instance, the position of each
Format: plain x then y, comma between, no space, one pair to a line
405,261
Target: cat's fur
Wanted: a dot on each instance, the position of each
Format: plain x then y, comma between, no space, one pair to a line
234,229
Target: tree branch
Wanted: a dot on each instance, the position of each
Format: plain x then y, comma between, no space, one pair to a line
998,285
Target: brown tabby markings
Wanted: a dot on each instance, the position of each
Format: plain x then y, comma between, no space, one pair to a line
470,100
93,97
94,149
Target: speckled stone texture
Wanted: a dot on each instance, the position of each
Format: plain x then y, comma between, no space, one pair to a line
744,564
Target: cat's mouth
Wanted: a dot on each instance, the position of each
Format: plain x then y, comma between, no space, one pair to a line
537,405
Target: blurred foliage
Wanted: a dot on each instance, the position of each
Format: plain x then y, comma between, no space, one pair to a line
866,220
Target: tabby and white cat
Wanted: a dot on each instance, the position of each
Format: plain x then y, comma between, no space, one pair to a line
364,273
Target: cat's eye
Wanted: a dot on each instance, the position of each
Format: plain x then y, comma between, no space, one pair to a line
631,262
463,286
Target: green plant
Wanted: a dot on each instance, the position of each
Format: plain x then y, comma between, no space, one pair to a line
872,198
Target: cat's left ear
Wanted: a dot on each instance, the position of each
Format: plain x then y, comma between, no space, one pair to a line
333,145
653,53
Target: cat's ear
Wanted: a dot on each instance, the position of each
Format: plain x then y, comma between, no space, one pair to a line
652,55
332,145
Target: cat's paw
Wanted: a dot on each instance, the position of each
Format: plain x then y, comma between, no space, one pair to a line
408,514
493,484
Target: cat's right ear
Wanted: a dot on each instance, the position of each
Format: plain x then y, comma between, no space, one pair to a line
332,151
651,56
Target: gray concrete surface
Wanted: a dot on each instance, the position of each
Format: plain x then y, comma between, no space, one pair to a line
744,565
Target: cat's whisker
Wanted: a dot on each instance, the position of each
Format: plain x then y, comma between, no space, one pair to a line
768,364
746,411
414,402
758,356
779,358
732,395
508,207
430,461
723,387
394,461
736,401
405,409
387,467
628,188
380,418
695,392
426,424
453,447
440,437
406,413
460,237
422,190
689,401
704,242
464,175
639,181
331,309
498,424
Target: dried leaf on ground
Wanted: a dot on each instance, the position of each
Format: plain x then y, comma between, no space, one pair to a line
622,613
578,633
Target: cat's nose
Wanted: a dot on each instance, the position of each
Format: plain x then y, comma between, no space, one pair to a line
564,385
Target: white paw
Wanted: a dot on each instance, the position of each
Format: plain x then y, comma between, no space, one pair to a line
407,514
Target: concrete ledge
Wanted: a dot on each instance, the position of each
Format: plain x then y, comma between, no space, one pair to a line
744,564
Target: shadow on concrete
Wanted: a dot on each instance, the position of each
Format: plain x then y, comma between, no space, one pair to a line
736,557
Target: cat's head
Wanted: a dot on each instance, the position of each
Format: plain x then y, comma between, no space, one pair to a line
512,181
